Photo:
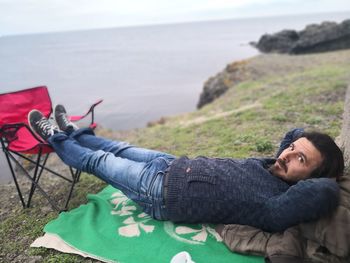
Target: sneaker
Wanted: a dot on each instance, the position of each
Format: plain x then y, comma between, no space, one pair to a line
62,119
41,125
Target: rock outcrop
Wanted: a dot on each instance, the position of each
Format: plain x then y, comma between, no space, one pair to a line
215,86
326,36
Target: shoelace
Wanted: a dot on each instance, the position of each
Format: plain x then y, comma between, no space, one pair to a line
45,126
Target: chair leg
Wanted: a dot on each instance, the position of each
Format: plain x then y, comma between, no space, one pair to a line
36,185
78,177
7,154
37,175
75,179
45,168
35,179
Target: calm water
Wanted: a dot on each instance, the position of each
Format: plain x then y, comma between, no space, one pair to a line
142,73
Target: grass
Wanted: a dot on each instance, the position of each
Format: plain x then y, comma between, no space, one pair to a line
249,120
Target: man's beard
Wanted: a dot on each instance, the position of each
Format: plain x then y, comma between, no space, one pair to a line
274,169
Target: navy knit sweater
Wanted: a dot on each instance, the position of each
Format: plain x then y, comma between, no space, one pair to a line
214,190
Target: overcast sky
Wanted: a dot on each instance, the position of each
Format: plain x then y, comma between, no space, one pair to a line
31,16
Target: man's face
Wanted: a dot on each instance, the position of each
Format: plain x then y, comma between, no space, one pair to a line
297,161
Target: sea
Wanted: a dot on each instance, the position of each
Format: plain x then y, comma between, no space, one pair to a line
142,72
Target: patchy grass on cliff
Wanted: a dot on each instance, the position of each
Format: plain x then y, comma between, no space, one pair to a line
249,120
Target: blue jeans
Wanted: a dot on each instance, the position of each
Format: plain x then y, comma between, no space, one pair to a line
137,172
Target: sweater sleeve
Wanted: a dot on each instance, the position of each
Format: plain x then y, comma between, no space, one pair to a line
305,201
290,137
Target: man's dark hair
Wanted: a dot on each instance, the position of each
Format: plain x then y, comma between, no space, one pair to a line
333,159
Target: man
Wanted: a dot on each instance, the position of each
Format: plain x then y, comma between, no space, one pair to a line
264,193
323,241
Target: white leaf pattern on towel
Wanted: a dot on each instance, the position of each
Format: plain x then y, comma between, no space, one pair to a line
135,222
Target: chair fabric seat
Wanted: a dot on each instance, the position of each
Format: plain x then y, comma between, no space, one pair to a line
26,143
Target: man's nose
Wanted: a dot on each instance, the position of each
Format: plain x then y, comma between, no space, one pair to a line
289,156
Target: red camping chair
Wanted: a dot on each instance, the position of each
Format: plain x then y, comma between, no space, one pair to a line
18,140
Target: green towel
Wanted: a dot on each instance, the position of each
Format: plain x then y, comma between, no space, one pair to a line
113,228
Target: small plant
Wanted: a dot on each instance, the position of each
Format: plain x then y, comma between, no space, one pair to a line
280,118
264,146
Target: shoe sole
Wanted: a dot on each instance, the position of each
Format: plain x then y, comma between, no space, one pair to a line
28,119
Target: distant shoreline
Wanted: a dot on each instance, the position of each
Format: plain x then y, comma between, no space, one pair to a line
180,23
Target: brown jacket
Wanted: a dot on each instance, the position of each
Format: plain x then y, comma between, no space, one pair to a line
325,240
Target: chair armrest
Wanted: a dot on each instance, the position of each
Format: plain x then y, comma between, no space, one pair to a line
91,110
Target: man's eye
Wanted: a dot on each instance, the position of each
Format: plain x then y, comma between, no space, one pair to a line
291,146
301,159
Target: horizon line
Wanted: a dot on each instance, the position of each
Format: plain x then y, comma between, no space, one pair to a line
171,23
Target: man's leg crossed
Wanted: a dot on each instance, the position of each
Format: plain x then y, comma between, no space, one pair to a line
140,181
